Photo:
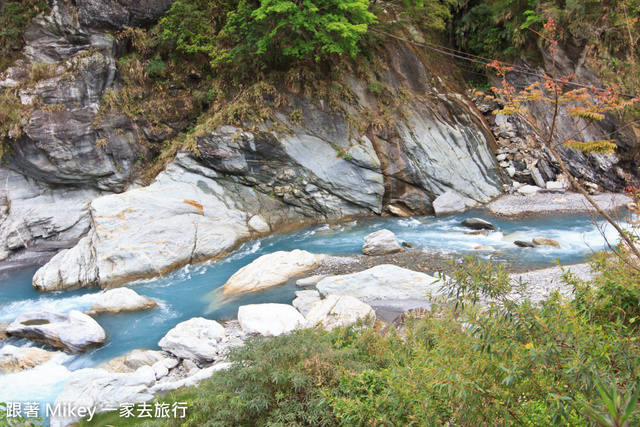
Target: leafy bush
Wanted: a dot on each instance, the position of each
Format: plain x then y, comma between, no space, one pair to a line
266,34
505,362
15,15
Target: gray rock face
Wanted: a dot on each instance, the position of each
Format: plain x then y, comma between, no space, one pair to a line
303,170
606,170
183,217
73,332
120,13
448,203
380,283
34,212
196,339
104,148
381,242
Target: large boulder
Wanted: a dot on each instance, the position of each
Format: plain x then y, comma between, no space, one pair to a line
98,390
271,270
121,299
448,203
16,359
338,311
196,339
380,282
183,217
381,242
269,319
74,332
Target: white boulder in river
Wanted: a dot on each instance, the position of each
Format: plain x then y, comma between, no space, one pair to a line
73,332
121,299
269,319
380,282
381,242
196,339
271,270
338,311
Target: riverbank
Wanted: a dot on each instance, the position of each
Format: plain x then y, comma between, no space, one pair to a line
541,203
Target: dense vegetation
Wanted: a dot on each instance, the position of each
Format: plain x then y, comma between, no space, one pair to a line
500,363
15,15
604,33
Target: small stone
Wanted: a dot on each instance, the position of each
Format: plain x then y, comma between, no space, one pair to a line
528,190
501,157
591,187
478,224
16,359
399,211
545,241
537,178
195,339
271,270
524,244
381,242
305,300
448,203
511,171
188,365
554,185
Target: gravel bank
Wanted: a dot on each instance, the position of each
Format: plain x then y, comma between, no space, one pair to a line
541,283
547,203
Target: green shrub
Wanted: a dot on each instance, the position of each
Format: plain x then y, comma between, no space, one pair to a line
504,363
15,15
266,34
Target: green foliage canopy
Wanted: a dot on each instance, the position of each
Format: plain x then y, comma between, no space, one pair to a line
267,33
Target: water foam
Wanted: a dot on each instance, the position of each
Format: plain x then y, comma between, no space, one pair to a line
10,311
